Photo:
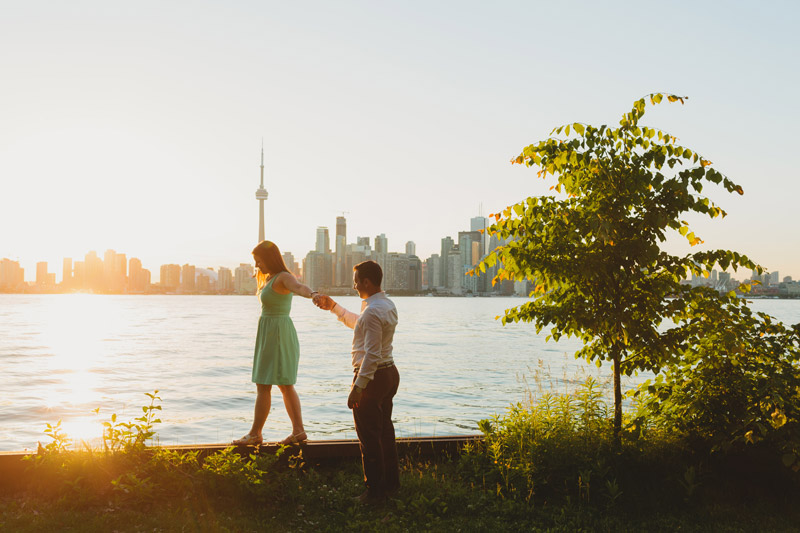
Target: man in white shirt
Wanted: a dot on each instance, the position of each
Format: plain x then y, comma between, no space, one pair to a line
375,379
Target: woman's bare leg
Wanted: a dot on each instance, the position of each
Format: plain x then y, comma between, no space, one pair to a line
292,402
263,404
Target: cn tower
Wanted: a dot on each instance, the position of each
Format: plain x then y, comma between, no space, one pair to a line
261,195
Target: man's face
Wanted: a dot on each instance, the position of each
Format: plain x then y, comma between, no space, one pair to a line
360,286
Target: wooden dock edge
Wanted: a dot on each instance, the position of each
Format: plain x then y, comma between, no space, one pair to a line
15,472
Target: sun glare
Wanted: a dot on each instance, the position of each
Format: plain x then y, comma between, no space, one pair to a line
75,342
83,430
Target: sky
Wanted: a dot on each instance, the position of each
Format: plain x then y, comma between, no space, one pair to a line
138,126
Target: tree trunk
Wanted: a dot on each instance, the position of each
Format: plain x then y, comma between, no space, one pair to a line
617,398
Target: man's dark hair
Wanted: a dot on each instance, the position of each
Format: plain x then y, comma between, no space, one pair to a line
369,270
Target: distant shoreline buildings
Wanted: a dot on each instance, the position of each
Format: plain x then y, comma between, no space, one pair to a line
447,273
328,270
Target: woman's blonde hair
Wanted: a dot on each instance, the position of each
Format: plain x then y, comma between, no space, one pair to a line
270,255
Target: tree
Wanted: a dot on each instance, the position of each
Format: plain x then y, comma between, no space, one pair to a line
594,252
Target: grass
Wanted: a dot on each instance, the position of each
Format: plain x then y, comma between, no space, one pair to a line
546,465
435,497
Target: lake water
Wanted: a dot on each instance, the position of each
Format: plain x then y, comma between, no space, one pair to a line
62,356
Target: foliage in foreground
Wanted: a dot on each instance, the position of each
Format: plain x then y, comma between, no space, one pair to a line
738,386
594,252
560,450
544,466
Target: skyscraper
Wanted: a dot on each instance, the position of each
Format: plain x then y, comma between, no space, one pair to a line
12,276
261,195
170,278
447,245
225,281
411,248
342,276
323,241
41,273
66,272
381,244
188,278
480,223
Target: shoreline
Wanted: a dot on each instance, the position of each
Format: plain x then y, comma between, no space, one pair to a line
15,474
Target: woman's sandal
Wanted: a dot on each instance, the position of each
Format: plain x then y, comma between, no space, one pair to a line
295,439
248,440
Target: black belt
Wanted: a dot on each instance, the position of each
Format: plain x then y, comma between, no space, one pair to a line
380,366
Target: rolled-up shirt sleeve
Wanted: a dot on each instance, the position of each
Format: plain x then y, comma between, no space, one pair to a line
346,317
373,345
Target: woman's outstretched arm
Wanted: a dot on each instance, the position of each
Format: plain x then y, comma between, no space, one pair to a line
287,283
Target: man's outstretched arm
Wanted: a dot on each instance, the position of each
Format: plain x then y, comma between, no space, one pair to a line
323,301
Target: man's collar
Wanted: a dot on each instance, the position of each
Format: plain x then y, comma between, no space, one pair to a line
377,296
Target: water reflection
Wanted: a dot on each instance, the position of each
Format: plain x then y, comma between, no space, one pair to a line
61,356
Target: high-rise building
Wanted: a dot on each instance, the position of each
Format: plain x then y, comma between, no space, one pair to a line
261,196
109,266
41,273
411,248
291,264
381,244
362,241
66,272
224,280
323,241
318,270
170,278
465,242
12,276
138,277
244,281
454,270
480,223
356,253
121,273
395,272
93,272
433,272
79,275
447,246
341,226
342,276
414,274
188,278
203,283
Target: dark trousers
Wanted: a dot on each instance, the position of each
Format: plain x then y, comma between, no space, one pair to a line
373,419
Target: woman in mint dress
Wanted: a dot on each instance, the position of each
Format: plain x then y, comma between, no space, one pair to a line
277,350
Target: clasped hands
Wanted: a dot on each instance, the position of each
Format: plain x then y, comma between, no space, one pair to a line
323,301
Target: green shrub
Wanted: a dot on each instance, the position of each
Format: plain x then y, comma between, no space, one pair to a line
737,386
556,446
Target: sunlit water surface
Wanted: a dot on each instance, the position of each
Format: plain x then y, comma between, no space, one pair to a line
63,356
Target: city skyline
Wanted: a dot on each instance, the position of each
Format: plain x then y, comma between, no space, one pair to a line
405,116
322,244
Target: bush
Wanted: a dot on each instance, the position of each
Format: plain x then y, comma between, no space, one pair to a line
737,386
558,446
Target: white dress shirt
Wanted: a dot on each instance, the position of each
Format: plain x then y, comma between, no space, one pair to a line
373,331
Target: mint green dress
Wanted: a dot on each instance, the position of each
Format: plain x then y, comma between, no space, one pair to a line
277,349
